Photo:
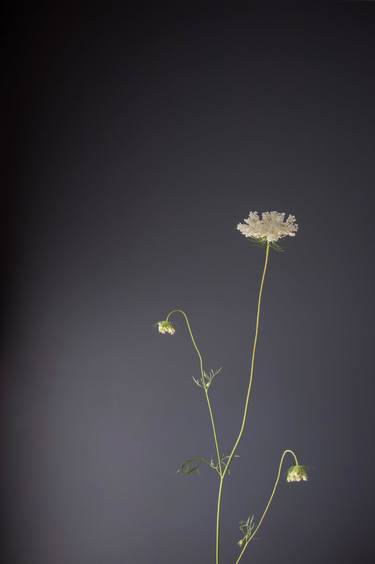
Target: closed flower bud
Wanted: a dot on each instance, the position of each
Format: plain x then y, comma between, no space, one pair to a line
297,473
166,327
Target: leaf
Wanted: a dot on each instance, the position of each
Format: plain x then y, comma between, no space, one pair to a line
191,465
224,461
277,247
263,242
197,382
246,527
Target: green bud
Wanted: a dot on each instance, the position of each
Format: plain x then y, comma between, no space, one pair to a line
166,327
297,473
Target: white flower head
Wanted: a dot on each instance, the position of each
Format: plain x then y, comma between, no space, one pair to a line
166,327
271,227
297,473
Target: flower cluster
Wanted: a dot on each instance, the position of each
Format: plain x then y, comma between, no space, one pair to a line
271,227
166,326
297,473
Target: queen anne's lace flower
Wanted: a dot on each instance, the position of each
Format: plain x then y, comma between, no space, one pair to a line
297,473
272,227
166,327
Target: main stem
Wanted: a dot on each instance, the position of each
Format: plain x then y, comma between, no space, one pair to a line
244,418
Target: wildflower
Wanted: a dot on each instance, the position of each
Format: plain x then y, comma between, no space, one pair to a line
297,473
166,326
272,227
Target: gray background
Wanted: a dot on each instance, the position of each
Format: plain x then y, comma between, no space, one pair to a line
134,145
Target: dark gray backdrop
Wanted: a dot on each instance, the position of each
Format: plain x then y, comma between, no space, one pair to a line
134,144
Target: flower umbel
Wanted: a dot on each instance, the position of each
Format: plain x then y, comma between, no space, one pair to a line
271,227
297,473
166,327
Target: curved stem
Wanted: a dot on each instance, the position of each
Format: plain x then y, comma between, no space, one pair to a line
190,333
233,452
202,380
288,451
217,537
244,418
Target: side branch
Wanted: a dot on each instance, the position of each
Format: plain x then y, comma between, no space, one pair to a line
181,312
288,451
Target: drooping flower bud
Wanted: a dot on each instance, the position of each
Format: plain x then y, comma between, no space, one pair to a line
166,326
297,473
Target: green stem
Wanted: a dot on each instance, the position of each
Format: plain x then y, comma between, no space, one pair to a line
213,430
217,538
244,418
218,518
269,501
203,382
233,452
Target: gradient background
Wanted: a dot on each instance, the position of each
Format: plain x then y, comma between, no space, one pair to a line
133,144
